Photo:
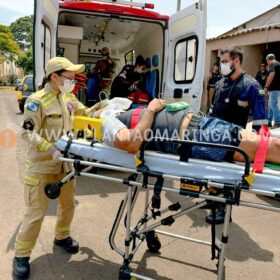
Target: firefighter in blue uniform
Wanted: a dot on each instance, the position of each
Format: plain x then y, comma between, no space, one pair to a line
235,95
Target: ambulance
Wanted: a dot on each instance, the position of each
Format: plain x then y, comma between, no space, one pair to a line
174,47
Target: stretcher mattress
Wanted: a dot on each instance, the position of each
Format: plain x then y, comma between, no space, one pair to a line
222,172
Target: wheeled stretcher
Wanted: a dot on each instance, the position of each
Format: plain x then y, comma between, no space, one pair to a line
208,183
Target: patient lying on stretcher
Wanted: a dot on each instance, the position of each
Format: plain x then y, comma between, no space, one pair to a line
127,131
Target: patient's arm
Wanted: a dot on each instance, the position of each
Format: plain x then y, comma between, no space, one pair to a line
131,139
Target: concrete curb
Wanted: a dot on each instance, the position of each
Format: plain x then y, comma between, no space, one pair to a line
7,88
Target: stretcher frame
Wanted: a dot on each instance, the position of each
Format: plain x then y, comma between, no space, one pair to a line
227,193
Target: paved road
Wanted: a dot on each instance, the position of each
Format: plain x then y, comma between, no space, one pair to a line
253,251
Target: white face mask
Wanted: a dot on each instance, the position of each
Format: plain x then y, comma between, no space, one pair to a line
225,69
67,87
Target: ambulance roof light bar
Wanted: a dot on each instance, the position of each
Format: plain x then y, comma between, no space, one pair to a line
124,3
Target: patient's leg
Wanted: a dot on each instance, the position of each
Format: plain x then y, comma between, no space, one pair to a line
249,144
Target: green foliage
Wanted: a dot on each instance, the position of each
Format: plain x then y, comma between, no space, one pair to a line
11,79
22,31
25,61
8,47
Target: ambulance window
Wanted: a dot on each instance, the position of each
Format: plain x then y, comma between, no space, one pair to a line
130,57
45,43
185,60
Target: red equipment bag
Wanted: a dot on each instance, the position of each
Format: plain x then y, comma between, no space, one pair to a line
139,97
80,82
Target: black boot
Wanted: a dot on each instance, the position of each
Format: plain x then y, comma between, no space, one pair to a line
69,244
220,216
21,267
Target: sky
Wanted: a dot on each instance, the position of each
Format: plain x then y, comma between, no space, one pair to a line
222,15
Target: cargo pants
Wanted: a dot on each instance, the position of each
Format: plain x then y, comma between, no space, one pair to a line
36,203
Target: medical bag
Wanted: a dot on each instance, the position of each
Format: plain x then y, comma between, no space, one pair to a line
139,97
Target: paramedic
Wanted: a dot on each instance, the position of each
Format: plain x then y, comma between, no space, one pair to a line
129,79
272,87
104,69
48,114
101,77
237,92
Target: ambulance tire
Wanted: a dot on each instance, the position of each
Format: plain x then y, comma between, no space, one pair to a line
52,190
153,242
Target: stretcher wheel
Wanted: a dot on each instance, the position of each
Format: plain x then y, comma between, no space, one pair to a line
52,190
153,241
124,273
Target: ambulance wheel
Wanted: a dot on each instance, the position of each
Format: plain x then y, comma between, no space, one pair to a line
153,241
52,191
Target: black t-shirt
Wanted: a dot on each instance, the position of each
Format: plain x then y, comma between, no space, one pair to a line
261,78
121,86
275,84
165,125
215,77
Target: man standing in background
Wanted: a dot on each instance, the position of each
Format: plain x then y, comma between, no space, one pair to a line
272,87
235,94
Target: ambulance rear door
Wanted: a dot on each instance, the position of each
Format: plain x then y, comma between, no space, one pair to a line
44,36
185,55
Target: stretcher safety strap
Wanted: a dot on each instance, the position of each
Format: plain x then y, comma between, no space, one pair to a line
262,150
135,117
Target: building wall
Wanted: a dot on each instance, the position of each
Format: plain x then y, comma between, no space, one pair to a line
252,43
8,68
273,16
270,17
253,57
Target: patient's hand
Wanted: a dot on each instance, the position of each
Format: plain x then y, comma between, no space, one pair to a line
156,105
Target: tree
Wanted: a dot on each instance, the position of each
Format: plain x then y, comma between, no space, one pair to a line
25,61
8,47
22,30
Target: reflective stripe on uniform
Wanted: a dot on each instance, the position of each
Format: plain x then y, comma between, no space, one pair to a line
62,232
62,229
45,146
48,99
31,181
28,162
70,97
24,245
260,122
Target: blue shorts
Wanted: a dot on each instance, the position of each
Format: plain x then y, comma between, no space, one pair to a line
213,130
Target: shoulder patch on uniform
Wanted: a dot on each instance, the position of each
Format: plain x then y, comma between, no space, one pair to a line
28,124
33,107
261,92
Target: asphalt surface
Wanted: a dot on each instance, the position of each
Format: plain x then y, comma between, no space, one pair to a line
253,251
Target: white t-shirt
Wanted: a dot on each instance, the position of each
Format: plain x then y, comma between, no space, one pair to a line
110,127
